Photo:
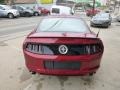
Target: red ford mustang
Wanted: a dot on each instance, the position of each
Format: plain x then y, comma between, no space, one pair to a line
63,45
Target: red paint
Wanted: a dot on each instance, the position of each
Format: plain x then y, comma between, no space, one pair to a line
89,63
92,12
44,10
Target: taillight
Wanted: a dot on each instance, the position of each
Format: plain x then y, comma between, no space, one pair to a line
34,48
38,49
94,48
51,49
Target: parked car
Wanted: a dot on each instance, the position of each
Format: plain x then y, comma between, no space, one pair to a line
36,12
23,11
44,11
6,11
108,11
80,11
118,18
91,12
101,19
60,10
63,45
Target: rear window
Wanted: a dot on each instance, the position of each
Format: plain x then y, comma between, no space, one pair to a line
62,25
55,10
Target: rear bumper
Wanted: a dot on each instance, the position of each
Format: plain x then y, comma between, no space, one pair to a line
89,64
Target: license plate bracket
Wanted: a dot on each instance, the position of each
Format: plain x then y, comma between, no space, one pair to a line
67,65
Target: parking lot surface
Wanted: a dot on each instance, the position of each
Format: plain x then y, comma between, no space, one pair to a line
15,76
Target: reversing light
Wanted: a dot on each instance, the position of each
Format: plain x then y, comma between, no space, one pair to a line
34,48
38,49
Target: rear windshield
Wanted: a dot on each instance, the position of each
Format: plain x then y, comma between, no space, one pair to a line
55,10
62,25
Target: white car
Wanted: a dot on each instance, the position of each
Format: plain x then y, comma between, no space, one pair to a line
80,11
61,10
7,11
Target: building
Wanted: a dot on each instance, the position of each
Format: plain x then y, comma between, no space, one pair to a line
101,2
20,1
25,1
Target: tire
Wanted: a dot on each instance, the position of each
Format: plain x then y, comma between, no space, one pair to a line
36,14
10,16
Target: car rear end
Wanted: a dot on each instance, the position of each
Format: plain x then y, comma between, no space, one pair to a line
101,19
83,57
92,12
63,48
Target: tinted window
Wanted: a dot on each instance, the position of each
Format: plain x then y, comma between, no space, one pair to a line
55,10
63,25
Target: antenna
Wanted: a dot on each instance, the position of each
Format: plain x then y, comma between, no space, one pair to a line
98,33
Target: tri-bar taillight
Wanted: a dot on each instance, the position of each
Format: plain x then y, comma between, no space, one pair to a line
73,49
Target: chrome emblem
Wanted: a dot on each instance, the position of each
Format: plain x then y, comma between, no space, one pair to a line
63,49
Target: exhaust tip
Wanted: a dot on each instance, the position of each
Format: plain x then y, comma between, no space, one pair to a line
33,73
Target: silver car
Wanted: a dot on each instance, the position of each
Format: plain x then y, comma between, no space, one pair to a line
7,11
102,20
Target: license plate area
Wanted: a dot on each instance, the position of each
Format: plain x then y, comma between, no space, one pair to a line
67,65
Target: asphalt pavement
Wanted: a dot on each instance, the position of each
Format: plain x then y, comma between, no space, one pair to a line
15,76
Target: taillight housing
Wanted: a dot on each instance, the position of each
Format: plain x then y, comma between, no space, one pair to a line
52,49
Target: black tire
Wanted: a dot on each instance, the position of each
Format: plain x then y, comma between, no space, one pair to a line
10,16
36,14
